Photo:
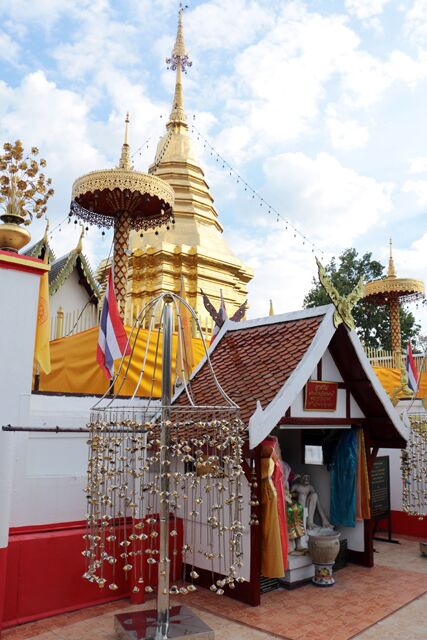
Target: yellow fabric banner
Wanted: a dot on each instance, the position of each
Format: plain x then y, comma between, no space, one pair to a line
75,370
42,348
390,380
185,355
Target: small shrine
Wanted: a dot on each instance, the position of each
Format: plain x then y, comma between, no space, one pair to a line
308,395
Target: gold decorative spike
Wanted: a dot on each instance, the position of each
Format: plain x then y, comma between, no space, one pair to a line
125,161
46,231
271,312
391,268
343,304
178,62
79,246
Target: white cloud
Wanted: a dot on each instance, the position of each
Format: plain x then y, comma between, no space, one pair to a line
416,20
9,49
226,25
100,43
336,204
419,189
58,123
346,134
283,270
43,13
418,165
282,80
363,9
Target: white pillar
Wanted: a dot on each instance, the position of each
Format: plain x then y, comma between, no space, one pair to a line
19,290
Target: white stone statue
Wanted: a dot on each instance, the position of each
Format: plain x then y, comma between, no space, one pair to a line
308,499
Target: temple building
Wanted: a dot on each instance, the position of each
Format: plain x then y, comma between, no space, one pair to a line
74,294
194,248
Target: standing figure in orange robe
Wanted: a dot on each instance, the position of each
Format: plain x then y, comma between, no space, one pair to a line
274,554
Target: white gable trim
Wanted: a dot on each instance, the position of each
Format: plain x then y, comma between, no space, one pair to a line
263,421
398,424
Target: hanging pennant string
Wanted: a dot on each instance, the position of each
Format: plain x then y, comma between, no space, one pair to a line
138,152
255,195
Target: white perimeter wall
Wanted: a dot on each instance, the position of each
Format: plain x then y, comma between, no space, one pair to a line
50,469
19,296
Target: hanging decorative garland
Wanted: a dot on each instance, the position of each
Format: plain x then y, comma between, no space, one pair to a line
414,468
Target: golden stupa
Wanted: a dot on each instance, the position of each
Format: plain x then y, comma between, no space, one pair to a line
194,248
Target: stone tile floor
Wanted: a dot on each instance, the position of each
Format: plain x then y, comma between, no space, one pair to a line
388,602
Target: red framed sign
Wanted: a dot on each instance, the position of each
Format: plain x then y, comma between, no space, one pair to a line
320,396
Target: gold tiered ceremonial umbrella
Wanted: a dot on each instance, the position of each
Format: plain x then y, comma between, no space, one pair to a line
124,199
393,291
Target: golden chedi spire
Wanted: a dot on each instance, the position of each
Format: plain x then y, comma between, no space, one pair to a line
178,62
194,247
125,161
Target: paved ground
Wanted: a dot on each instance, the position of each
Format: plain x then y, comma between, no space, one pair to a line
308,613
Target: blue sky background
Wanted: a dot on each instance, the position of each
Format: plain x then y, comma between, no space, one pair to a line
320,106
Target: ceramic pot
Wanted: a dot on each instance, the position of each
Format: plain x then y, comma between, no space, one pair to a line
323,550
12,235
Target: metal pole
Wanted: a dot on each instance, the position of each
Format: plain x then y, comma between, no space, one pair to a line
164,560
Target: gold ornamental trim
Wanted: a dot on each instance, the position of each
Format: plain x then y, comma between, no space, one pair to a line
399,286
110,179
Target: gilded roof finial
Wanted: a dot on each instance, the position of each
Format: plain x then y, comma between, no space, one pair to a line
391,268
79,247
125,161
178,62
46,231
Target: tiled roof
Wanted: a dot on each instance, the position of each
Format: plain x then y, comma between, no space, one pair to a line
56,268
253,363
62,268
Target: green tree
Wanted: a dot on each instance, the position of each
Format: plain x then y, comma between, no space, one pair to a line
372,321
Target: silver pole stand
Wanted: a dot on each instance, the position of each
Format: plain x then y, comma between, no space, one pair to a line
164,560
178,623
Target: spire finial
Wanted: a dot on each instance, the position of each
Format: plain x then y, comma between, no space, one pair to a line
125,161
79,246
391,268
178,62
46,231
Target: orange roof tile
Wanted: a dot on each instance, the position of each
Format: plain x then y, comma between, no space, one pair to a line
253,362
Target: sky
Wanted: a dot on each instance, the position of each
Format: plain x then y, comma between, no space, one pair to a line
319,106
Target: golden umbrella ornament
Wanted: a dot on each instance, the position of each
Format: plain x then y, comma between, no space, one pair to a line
123,199
393,291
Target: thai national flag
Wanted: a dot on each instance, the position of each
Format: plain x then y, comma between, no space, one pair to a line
411,369
112,339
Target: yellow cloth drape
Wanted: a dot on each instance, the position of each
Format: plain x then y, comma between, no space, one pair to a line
42,344
363,510
185,355
390,380
271,548
75,370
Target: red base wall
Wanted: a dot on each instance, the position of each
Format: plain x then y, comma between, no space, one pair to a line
402,523
408,525
44,573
